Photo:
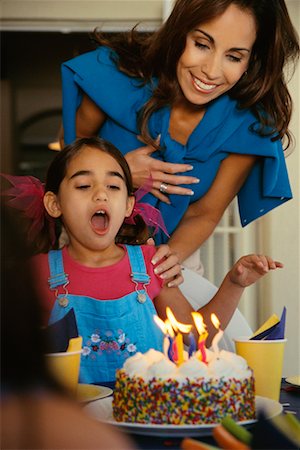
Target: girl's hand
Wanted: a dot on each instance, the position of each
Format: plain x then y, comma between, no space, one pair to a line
142,165
248,269
169,269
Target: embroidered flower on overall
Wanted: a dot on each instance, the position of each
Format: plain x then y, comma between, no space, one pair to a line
109,343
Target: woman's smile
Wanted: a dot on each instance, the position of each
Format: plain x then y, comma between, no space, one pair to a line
203,86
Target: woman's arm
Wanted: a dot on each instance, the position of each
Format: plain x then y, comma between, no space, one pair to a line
89,118
246,271
202,217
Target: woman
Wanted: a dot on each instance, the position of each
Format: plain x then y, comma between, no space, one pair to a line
208,96
206,90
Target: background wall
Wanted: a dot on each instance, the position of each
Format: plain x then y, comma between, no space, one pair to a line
279,237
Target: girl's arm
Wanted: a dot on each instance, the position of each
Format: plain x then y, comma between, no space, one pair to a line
246,271
202,217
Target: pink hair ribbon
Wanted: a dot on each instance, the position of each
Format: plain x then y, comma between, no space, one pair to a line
151,216
27,196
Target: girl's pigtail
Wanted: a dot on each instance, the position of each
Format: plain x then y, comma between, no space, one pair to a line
26,195
144,221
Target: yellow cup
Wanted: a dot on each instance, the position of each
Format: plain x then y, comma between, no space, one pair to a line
265,358
65,368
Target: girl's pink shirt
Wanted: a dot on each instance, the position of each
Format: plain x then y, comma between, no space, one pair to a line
103,283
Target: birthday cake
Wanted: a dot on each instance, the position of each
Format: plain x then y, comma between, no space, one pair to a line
150,388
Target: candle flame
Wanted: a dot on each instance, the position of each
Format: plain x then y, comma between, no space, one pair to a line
165,326
161,324
215,321
184,328
198,320
169,328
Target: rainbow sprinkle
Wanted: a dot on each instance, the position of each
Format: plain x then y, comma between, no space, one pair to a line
201,401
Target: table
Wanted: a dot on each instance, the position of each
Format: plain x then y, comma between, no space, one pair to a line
289,396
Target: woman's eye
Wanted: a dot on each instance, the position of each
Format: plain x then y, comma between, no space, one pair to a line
234,58
200,45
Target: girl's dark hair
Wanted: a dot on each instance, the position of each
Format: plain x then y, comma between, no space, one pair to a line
23,346
263,89
128,234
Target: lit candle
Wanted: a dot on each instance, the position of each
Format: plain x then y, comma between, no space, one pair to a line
166,346
192,344
161,325
168,343
179,328
219,334
199,324
174,351
201,347
170,336
179,346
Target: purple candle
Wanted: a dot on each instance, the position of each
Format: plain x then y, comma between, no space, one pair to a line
192,346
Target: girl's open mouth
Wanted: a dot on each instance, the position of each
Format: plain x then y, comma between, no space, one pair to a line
100,221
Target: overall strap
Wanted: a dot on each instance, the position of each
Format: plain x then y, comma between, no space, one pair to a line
137,264
138,271
58,277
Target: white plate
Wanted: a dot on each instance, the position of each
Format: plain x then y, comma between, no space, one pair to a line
294,380
102,410
91,392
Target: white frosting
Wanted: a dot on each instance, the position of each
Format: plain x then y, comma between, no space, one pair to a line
193,368
162,369
153,356
154,364
136,365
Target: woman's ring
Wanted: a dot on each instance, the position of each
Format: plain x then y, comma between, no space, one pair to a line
163,188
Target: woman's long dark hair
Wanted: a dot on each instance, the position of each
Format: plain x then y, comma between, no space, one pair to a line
263,90
136,233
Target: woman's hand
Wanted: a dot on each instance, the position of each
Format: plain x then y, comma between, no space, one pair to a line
142,165
248,269
169,268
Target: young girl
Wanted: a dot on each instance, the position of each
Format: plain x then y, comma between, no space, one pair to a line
112,287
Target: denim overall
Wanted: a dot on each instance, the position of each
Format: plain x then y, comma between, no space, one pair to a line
112,330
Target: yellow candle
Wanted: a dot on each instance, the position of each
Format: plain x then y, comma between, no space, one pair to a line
179,344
